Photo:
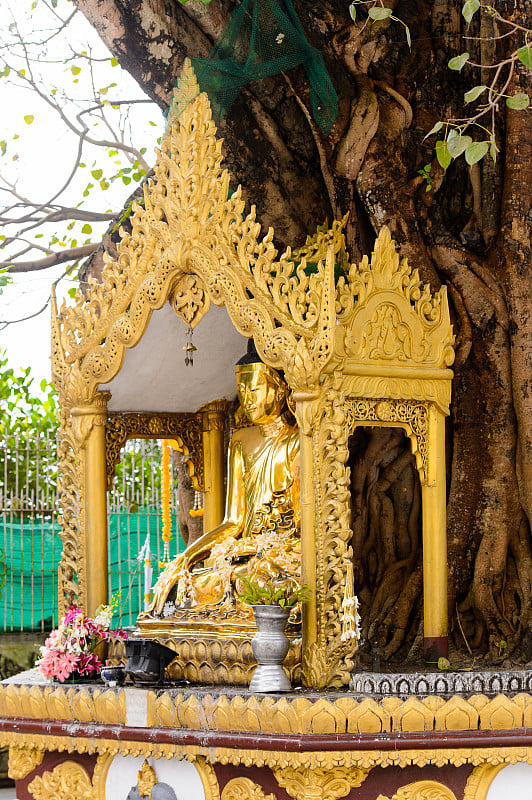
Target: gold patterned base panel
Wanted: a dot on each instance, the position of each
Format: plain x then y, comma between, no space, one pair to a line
213,661
328,776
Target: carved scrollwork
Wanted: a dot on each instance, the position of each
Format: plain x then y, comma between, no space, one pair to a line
422,790
329,661
71,487
411,415
185,429
244,789
320,784
189,300
22,760
67,781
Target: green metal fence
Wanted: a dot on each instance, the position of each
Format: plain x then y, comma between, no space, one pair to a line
30,541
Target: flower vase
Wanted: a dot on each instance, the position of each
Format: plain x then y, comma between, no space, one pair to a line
270,646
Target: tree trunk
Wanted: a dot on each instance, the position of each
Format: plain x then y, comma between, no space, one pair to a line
468,228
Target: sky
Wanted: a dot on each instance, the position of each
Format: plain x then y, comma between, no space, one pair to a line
40,153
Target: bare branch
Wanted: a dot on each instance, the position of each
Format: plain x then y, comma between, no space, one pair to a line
72,254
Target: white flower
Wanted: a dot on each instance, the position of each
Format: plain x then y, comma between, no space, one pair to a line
168,609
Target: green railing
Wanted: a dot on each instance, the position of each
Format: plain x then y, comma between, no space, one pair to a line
31,545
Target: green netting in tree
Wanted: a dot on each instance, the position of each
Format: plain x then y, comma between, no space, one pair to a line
264,38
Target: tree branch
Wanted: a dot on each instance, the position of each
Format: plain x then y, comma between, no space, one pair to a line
73,254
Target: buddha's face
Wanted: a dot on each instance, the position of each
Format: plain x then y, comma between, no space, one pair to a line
260,395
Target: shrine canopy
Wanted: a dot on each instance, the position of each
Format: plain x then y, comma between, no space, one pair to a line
154,376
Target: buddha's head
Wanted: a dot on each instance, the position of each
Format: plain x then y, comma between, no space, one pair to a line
261,389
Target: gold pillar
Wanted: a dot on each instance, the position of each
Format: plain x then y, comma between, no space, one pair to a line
435,542
89,424
214,459
305,412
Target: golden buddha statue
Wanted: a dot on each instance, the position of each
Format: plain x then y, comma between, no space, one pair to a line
259,536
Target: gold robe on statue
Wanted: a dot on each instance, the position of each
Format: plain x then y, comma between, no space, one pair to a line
259,536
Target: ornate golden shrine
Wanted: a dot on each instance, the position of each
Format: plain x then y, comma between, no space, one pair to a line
374,349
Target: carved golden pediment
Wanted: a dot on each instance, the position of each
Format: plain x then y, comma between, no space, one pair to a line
192,243
388,317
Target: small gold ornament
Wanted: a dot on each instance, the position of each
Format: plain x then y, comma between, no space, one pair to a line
147,779
189,349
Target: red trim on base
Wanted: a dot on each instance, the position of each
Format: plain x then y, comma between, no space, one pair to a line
297,743
435,647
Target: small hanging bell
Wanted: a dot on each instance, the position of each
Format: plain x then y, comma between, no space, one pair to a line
189,349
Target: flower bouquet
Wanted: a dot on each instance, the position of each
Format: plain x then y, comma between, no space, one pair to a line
69,652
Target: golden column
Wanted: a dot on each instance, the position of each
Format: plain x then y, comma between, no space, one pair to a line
214,459
434,505
306,406
89,426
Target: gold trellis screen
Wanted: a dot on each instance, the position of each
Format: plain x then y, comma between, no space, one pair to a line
373,348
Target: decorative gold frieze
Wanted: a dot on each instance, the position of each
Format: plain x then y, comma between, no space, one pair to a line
23,760
293,715
326,760
184,429
67,781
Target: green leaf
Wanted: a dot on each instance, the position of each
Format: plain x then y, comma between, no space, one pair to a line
457,63
524,54
473,93
3,147
114,62
28,119
96,174
86,228
443,663
377,13
75,70
518,102
435,128
476,151
126,179
353,12
470,9
458,144
408,37
442,154
104,185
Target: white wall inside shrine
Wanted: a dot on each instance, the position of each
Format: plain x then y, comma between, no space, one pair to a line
154,376
514,781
